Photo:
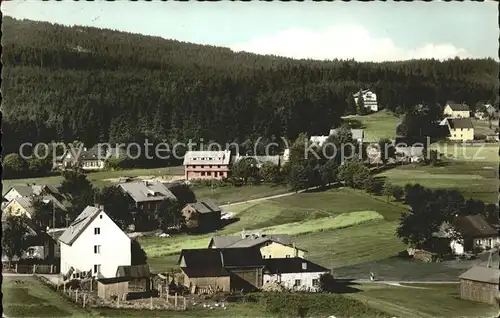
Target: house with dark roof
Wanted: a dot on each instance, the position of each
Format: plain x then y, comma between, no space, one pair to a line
270,245
293,273
24,206
93,158
454,110
222,269
202,215
139,276
93,242
474,232
145,196
480,284
460,129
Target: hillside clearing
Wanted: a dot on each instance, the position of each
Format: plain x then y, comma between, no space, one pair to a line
377,125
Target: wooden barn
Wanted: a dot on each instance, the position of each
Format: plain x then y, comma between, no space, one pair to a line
480,284
139,276
222,269
112,288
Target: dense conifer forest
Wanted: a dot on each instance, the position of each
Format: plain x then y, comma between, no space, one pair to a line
80,83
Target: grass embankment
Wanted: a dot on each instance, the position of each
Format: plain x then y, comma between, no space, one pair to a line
342,226
422,301
472,170
27,297
377,125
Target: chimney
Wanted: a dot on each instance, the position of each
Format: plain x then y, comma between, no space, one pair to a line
243,234
304,266
101,207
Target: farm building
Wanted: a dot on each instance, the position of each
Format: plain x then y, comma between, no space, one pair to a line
480,284
110,288
223,269
456,110
204,214
294,273
139,276
271,246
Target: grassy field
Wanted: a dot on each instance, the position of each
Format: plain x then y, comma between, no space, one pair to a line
422,301
482,127
377,125
99,179
225,195
26,297
333,219
473,170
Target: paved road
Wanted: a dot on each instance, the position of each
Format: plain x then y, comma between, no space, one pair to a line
270,197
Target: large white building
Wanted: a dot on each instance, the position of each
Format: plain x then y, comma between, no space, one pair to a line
369,99
94,244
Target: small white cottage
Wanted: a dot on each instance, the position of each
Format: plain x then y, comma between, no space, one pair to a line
295,273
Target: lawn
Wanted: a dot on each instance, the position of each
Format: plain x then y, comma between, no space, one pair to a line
231,194
482,127
27,297
422,301
377,125
100,179
233,310
473,170
333,219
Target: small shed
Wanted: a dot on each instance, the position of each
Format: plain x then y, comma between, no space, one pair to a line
480,284
138,276
109,288
203,215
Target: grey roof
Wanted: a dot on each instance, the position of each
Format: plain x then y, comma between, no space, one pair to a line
133,271
207,157
147,191
207,206
482,274
25,202
475,226
79,225
250,240
455,123
23,190
459,107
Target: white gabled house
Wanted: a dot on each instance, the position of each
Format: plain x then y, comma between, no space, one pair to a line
369,99
94,243
294,273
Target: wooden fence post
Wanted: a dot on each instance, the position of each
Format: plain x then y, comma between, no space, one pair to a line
175,300
117,302
151,302
84,298
184,304
16,267
76,295
34,269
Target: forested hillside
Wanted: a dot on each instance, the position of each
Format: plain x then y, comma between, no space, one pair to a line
80,83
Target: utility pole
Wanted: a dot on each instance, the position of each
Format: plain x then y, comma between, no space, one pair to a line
53,215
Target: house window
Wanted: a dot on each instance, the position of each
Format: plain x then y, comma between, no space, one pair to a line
315,282
263,256
288,256
97,268
97,230
97,249
203,173
297,283
100,216
221,174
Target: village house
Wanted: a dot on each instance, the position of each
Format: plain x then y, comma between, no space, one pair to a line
40,245
202,215
222,269
258,161
460,129
23,206
475,231
294,273
145,196
410,149
270,246
94,243
369,99
480,284
207,165
31,190
453,110
88,159
357,135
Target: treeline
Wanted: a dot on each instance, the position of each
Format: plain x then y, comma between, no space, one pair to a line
80,83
